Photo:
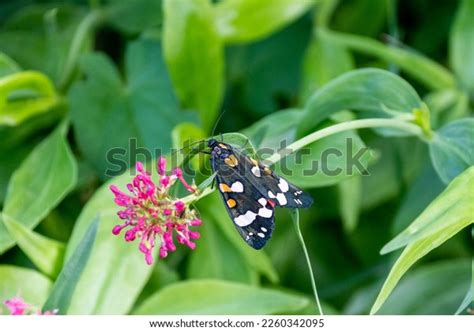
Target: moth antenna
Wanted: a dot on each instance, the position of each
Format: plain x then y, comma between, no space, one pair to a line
217,122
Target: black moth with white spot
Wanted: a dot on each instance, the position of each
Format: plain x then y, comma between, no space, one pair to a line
251,192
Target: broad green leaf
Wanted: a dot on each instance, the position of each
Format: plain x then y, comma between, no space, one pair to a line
411,254
215,257
66,283
374,91
7,65
350,196
324,60
47,254
421,192
241,21
48,30
107,111
444,283
214,297
424,240
467,301
39,184
426,71
23,95
194,55
452,149
133,16
461,45
453,206
116,271
29,284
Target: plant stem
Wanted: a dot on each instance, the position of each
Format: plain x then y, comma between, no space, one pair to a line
84,28
420,67
296,219
341,127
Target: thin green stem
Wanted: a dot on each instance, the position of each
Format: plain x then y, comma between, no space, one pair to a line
83,30
420,67
341,127
296,219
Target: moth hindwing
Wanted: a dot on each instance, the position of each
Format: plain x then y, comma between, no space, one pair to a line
251,191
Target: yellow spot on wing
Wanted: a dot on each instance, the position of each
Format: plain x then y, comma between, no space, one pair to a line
223,146
224,188
231,161
267,171
231,203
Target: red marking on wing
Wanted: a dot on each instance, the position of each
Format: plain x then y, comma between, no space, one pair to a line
271,203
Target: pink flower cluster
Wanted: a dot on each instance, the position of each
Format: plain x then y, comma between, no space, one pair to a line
18,306
150,212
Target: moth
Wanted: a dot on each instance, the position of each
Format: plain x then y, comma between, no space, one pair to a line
251,191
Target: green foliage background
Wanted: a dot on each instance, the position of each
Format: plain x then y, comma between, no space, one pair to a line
78,78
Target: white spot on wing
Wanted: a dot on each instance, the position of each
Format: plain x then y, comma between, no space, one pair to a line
245,219
281,199
261,235
263,229
256,171
237,187
283,185
264,212
271,195
262,201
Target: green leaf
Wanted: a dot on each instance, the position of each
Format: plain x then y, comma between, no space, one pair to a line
65,286
47,254
7,65
241,21
324,60
116,271
421,192
426,71
467,301
461,45
423,238
48,30
29,284
452,149
444,283
374,91
107,112
39,184
23,95
133,16
194,55
350,196
452,206
213,297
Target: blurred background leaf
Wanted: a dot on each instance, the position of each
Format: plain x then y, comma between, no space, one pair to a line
220,298
194,54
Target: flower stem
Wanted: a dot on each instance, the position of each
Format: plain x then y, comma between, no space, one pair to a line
350,125
296,217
